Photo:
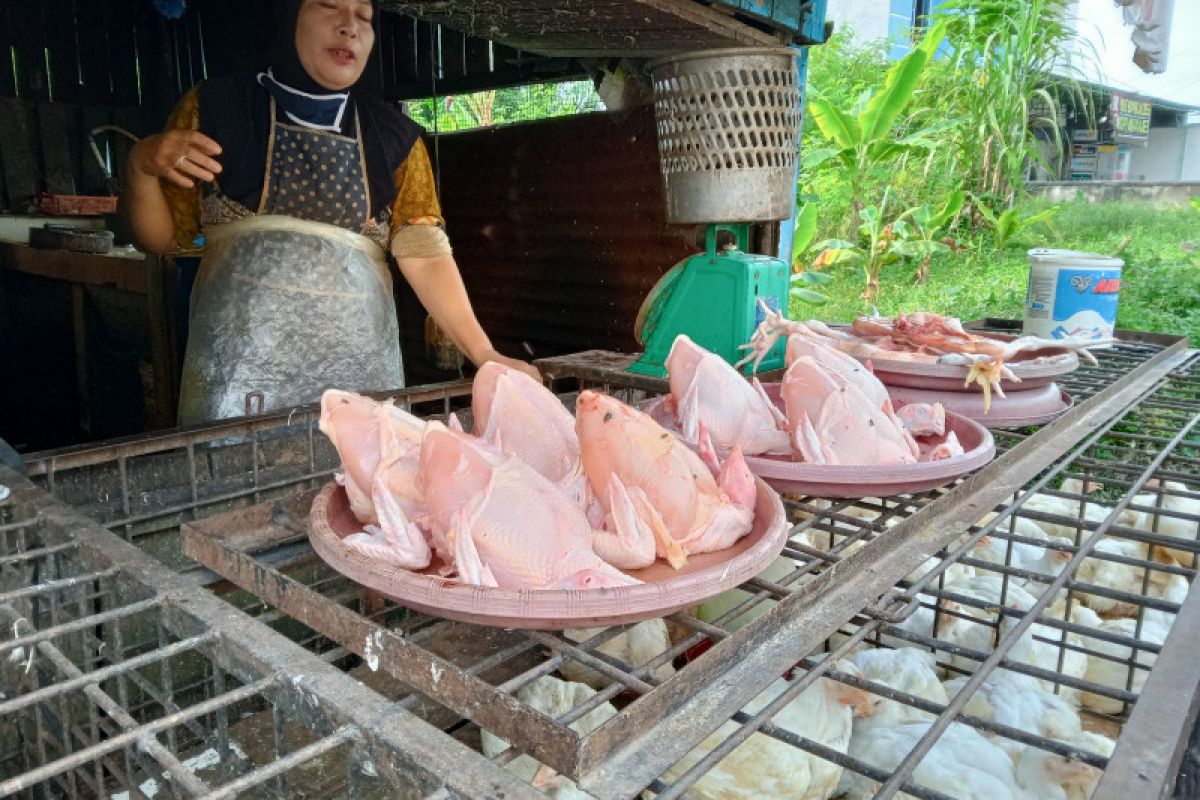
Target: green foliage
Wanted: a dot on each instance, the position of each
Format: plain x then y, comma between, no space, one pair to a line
1006,56
804,232
505,106
1012,221
862,137
1160,290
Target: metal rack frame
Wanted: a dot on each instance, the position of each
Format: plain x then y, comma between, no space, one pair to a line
118,667
263,551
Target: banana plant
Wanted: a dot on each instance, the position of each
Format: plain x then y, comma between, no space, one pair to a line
1011,222
921,239
803,279
879,236
862,136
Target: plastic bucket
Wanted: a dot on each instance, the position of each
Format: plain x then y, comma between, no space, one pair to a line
1071,294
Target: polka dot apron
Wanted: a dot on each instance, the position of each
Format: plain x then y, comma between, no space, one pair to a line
316,175
293,300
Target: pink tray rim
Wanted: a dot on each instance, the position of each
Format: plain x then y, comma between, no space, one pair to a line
554,609
1032,373
996,418
870,477
850,481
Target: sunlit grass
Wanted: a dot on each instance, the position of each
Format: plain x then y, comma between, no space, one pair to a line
1160,289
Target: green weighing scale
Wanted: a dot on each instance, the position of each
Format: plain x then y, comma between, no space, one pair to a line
727,123
712,297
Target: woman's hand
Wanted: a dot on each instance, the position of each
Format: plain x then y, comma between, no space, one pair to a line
511,363
179,156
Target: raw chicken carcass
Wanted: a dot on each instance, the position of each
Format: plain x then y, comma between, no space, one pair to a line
523,418
676,495
365,433
833,422
950,448
508,526
707,393
379,446
923,419
762,768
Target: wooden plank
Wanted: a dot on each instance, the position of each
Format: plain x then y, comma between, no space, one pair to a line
60,145
25,21
82,383
62,46
454,54
94,52
18,151
123,45
7,87
478,57
82,268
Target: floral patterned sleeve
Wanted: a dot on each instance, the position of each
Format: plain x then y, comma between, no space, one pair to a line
184,203
418,228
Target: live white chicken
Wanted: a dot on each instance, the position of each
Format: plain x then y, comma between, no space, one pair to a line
763,768
554,698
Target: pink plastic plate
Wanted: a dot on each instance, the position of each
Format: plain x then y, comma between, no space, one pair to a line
664,590
845,481
1035,368
1018,410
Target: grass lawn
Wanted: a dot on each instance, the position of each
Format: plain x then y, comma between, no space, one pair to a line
1160,288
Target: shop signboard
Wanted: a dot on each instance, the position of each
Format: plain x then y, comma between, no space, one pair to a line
1130,119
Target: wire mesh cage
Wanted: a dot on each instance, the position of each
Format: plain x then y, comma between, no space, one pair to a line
1065,563
728,126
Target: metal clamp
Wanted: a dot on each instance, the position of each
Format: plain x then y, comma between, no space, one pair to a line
251,397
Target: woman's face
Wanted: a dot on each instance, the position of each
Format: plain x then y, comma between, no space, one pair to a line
333,40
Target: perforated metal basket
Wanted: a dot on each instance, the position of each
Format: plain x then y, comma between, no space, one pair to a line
728,122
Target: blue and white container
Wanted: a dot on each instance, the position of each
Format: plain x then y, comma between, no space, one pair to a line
1071,294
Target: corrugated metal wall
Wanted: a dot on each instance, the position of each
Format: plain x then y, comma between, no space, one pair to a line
558,228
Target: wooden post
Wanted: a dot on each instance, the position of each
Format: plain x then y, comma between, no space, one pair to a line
79,324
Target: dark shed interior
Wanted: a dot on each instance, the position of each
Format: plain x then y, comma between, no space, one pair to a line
558,225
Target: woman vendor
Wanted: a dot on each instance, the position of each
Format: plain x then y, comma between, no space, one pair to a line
301,180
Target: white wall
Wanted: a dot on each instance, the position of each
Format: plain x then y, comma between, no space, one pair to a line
868,18
1191,160
1160,161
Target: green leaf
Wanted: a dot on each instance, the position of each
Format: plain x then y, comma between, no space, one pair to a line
835,244
804,231
809,296
953,205
815,157
835,124
813,277
1195,201
883,109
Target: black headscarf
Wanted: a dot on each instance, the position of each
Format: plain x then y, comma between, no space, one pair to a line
234,111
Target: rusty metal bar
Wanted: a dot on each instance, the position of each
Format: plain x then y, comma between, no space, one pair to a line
1163,718
131,447
281,765
141,736
80,681
407,752
79,624
498,712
